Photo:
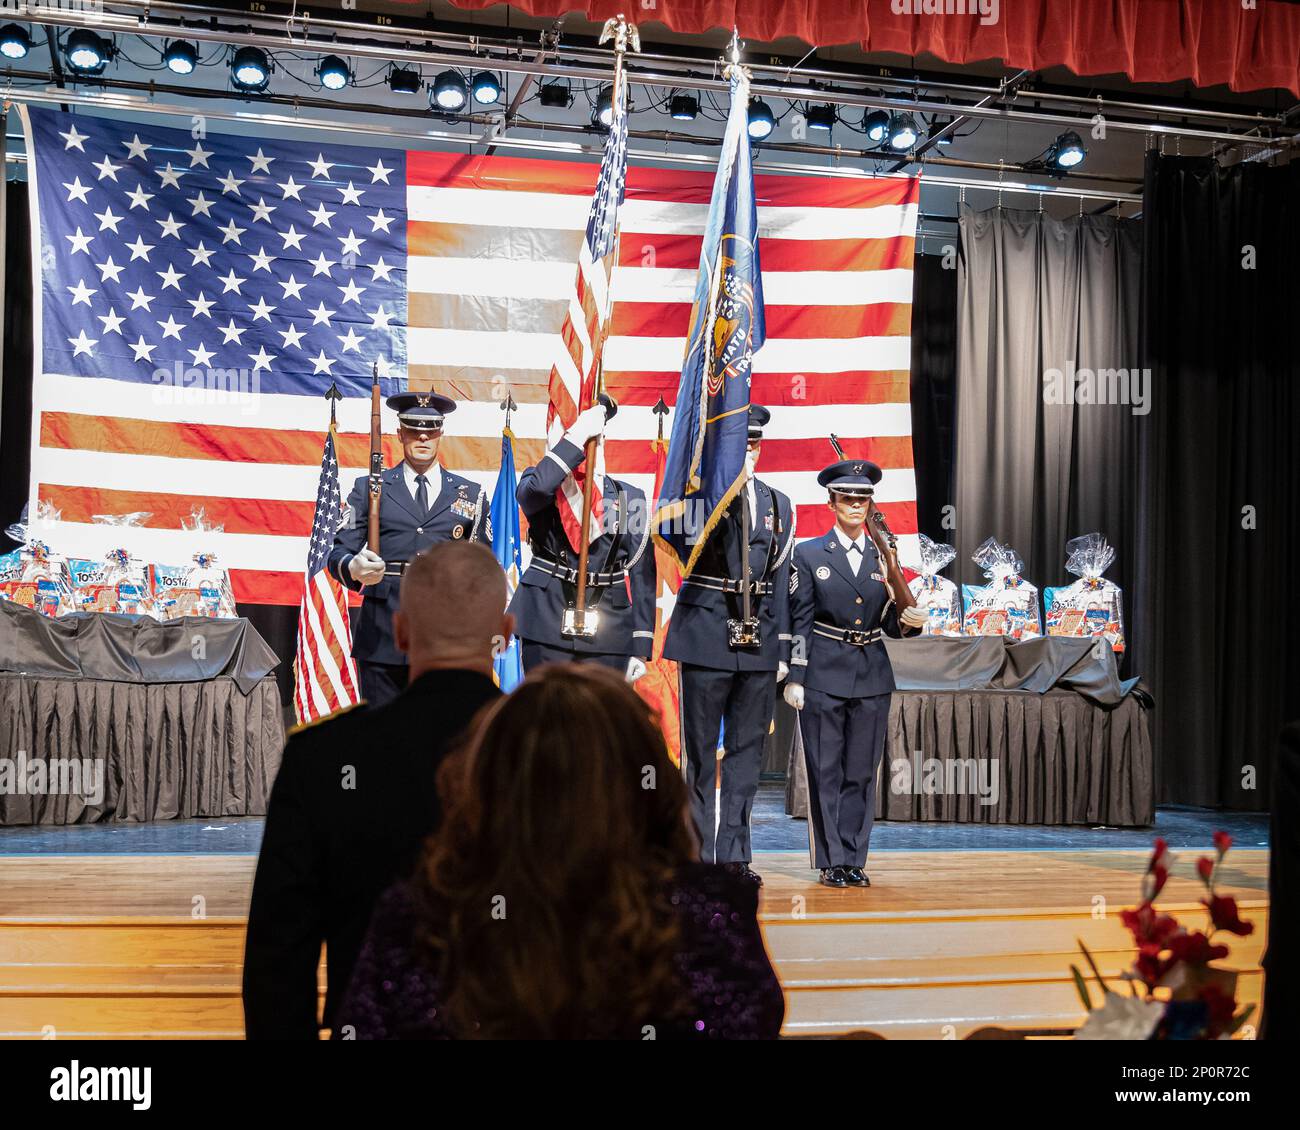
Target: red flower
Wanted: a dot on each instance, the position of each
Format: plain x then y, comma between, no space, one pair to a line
1205,867
1195,949
1222,842
1148,927
1149,967
1223,913
1160,848
1160,874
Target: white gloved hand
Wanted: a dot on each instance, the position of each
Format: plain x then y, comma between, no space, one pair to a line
751,463
793,694
366,567
782,670
588,424
915,616
635,669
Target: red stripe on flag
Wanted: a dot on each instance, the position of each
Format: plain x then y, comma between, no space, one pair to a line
570,178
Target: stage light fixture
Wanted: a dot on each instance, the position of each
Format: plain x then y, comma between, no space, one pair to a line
85,52
876,124
602,114
820,117
333,73
555,95
181,57
450,92
14,42
1067,151
487,88
684,107
250,69
761,121
936,124
404,80
902,132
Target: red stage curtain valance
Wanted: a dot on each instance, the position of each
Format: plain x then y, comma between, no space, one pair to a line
1210,42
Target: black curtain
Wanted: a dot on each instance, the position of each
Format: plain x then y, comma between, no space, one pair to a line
1037,295
933,385
1219,471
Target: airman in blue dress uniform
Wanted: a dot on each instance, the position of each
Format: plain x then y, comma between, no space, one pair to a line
421,504
840,678
620,564
724,683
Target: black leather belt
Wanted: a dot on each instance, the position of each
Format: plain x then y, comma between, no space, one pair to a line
846,635
570,576
726,584
395,568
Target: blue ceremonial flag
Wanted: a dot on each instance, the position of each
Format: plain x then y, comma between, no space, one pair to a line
706,451
508,665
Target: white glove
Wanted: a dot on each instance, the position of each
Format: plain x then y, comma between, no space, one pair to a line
751,463
635,669
588,424
366,567
915,616
782,670
793,694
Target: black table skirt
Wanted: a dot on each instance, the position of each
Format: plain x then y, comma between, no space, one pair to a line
1061,757
169,750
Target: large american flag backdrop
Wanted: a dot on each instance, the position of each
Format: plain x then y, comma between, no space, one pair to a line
160,255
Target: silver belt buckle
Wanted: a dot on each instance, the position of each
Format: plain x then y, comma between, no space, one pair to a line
580,625
857,638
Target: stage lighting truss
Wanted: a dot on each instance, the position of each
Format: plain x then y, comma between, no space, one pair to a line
250,70
86,52
15,42
449,92
1065,153
334,73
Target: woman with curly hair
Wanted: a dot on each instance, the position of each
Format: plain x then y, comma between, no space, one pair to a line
561,898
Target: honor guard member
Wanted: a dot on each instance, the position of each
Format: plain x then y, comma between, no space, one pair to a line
722,680
840,678
420,504
620,567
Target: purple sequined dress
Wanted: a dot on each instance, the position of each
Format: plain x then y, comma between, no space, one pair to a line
732,988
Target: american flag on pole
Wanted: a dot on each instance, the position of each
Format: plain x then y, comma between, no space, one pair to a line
582,338
457,270
324,675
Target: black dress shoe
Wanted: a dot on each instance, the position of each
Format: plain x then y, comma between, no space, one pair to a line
856,877
832,877
744,871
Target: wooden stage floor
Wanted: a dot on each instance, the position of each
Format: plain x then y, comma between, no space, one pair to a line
943,942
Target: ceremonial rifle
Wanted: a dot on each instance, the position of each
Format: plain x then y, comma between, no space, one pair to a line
886,546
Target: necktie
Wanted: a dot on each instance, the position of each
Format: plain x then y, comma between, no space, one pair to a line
855,546
422,493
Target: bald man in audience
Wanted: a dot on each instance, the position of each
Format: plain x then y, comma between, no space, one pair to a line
355,796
